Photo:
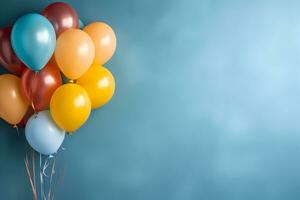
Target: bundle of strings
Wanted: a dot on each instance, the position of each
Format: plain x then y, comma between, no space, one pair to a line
45,193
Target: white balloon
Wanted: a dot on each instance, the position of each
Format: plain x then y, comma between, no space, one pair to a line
43,134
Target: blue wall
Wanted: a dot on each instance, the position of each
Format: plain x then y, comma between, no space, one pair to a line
207,105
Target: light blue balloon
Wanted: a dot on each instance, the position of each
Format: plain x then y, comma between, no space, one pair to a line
33,40
81,24
43,134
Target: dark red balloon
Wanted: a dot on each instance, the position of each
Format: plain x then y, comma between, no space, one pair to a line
8,58
26,117
39,87
62,16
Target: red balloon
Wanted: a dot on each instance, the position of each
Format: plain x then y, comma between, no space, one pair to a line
62,16
8,58
26,117
39,87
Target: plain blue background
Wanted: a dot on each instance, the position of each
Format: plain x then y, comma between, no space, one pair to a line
207,105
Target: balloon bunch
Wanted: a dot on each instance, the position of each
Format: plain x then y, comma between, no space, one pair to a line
36,49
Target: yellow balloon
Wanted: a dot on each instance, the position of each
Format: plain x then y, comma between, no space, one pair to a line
13,105
70,106
104,40
74,53
99,83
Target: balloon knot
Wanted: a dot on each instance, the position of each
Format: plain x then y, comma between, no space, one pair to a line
16,127
33,107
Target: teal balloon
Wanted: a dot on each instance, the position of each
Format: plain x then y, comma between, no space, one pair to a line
81,24
43,134
33,40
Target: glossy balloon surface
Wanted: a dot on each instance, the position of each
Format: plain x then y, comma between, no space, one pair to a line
33,40
8,58
43,134
70,106
99,84
74,53
104,40
39,87
13,105
62,16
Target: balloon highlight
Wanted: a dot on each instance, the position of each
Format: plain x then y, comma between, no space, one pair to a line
74,53
39,87
13,105
33,40
70,106
43,134
62,16
8,58
99,84
104,39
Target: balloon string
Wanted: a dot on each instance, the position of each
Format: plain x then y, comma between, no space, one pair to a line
41,179
50,182
43,169
17,129
32,183
31,93
33,167
46,165
60,178
33,107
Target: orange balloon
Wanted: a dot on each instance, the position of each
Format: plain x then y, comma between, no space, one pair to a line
104,40
13,105
99,84
74,53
